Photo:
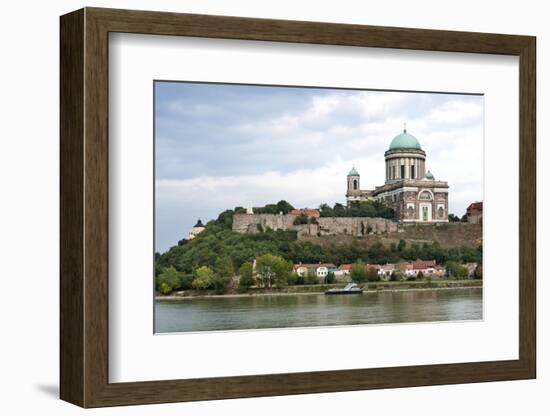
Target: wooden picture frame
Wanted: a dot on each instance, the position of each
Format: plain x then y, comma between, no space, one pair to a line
84,207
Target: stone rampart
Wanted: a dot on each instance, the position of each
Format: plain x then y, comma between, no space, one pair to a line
325,226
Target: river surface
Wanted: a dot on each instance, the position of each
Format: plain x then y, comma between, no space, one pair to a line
308,310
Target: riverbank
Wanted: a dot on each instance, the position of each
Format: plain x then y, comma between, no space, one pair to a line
317,289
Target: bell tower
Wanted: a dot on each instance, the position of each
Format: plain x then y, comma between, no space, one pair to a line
354,185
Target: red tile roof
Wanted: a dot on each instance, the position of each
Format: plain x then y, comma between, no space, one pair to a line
314,265
476,205
305,211
423,264
404,265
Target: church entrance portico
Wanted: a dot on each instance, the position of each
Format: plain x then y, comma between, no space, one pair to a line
425,212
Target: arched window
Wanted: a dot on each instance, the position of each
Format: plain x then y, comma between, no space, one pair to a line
425,195
355,184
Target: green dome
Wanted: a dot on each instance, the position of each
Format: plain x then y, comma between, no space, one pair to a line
353,172
404,141
429,175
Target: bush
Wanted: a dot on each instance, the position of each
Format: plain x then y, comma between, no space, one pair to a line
372,274
311,277
204,278
168,280
292,279
246,276
456,271
165,288
463,272
300,219
273,270
186,281
357,209
220,283
331,277
300,280
478,273
453,218
358,273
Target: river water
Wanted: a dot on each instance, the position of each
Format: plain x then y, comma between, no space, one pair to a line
309,310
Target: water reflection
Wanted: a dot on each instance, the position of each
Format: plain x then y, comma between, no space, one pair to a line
209,314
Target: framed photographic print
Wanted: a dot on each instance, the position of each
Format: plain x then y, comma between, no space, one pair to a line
255,207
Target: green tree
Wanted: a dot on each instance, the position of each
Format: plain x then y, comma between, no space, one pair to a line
339,210
292,279
401,246
397,276
462,272
224,267
247,276
168,280
273,270
204,278
311,277
186,281
300,219
455,270
331,277
478,273
420,275
225,219
451,268
358,273
372,274
223,273
453,218
325,210
165,288
284,207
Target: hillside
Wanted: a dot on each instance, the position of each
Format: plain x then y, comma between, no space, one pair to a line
455,241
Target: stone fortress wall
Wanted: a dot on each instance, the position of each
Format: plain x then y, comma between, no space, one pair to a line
353,226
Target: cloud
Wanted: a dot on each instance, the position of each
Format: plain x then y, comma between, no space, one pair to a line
221,146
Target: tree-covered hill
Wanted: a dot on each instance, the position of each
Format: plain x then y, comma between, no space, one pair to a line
217,240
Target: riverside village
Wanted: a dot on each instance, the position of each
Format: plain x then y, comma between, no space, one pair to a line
396,236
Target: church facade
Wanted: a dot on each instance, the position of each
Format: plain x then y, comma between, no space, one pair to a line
411,190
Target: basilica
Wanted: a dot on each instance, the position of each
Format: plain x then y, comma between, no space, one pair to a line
413,193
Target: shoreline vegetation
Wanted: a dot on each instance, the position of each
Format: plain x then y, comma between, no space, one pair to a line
377,287
218,261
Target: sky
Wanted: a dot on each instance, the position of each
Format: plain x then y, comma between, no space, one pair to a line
218,146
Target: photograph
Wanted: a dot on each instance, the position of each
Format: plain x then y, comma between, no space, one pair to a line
296,206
